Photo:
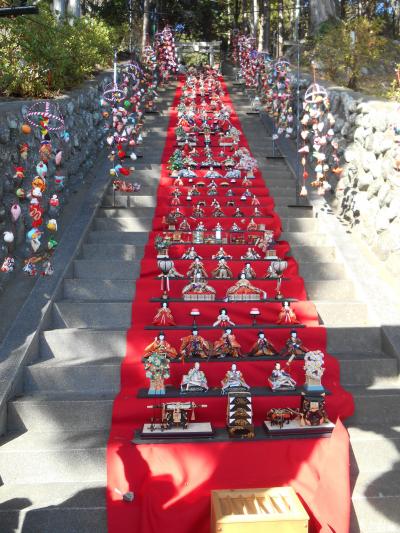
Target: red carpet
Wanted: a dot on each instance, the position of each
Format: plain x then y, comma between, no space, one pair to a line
172,482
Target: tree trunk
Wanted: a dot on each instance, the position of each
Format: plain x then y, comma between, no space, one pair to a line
146,8
296,25
236,13
59,8
74,8
266,26
321,11
279,37
255,20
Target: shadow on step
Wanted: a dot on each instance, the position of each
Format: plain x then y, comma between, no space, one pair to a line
83,512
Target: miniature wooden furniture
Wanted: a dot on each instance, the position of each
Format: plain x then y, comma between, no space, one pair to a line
274,510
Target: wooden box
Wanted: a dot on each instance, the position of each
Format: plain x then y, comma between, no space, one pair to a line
274,510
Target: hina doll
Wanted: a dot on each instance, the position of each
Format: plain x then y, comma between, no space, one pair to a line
198,212
223,320
248,272
233,380
212,174
198,287
160,345
157,370
255,201
194,380
281,380
222,271
190,254
229,192
184,225
194,345
235,227
221,254
193,191
251,226
212,191
262,346
257,212
293,346
227,345
287,315
245,290
232,174
195,268
250,254
164,316
218,212
238,213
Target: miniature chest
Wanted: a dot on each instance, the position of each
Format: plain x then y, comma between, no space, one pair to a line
274,510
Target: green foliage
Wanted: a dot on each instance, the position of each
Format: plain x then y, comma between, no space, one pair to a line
42,56
341,58
394,91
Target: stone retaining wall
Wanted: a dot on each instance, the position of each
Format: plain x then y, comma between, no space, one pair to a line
83,121
368,194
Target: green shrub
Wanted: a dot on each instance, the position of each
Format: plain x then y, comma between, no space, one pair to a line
343,58
42,56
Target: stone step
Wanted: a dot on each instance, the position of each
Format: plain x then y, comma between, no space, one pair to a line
375,406
53,507
123,224
67,457
283,210
106,269
311,254
117,252
365,368
375,515
65,412
74,344
80,346
374,448
302,238
342,313
133,212
53,376
363,339
376,502
333,290
313,271
99,289
100,315
121,237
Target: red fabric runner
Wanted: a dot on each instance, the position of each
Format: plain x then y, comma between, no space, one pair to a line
172,482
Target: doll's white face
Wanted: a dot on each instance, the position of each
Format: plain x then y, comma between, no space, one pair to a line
242,276
247,265
161,337
262,336
294,336
223,312
164,305
197,366
228,331
277,366
233,367
195,333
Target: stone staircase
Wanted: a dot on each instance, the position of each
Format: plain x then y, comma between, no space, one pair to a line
53,459
355,337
